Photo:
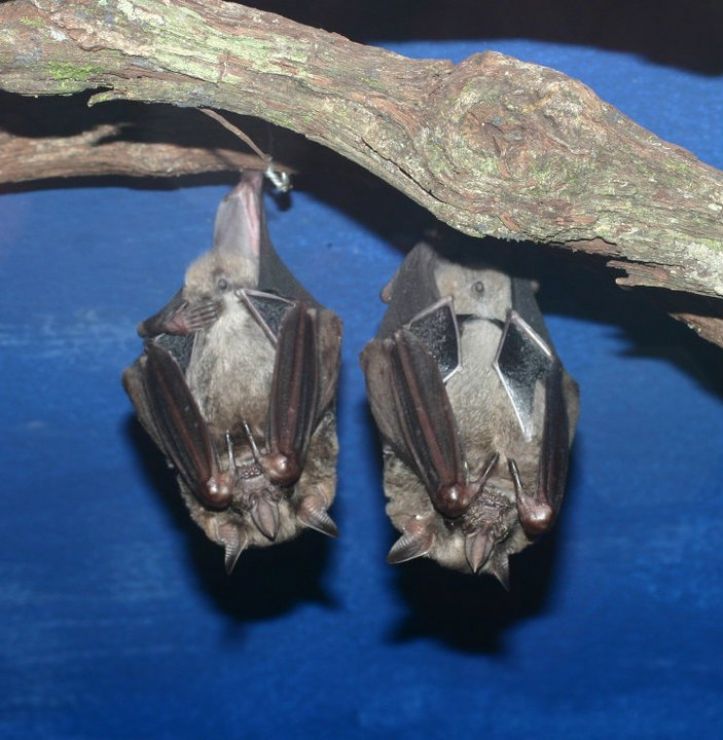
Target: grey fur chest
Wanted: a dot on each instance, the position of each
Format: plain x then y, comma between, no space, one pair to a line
230,371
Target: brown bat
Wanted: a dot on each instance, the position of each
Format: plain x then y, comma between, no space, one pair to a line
236,385
476,413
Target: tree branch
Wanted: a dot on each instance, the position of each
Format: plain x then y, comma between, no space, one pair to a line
492,146
100,152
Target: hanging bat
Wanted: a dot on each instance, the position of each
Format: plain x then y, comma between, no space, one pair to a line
475,410
236,385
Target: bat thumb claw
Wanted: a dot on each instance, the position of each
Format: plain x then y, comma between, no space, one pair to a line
313,514
478,548
410,546
535,514
265,515
536,517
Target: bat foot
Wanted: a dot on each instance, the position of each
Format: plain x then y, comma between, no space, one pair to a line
185,319
416,542
478,548
199,316
312,513
265,515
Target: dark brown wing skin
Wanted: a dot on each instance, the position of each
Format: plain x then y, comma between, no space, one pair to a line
181,428
329,331
295,391
411,406
554,454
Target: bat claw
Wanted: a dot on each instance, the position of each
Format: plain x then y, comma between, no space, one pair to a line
412,544
500,569
233,539
232,552
478,548
265,515
312,513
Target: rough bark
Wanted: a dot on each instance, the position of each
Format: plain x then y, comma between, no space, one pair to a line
492,146
99,152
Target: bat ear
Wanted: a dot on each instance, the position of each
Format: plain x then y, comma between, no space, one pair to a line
240,219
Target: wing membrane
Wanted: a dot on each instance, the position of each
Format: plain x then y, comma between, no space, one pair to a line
295,385
412,409
178,422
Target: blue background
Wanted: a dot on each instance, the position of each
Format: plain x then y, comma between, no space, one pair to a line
117,618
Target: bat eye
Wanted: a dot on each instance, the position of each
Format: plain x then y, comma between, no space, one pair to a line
222,283
478,288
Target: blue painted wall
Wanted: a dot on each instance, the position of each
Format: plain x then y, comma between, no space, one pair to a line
117,618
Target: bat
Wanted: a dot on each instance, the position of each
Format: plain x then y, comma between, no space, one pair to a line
236,386
475,411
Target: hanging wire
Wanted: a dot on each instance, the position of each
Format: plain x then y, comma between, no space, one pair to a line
279,178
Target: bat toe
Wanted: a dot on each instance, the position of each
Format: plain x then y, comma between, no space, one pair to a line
416,542
312,513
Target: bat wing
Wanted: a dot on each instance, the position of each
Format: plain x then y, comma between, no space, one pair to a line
412,291
523,358
437,328
554,454
268,309
295,388
180,426
134,381
329,331
413,411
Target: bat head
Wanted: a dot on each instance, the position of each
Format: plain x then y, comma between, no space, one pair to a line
239,232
